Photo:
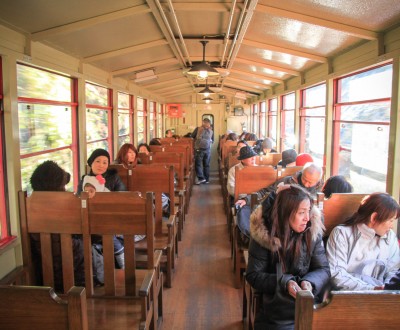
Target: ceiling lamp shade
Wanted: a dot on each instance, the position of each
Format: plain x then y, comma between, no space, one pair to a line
203,70
207,99
206,91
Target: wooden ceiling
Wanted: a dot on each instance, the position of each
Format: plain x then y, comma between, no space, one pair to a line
254,44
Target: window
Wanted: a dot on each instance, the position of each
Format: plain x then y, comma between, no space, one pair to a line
125,119
160,130
255,119
361,128
262,131
5,236
287,121
312,122
47,122
98,118
141,120
152,119
272,118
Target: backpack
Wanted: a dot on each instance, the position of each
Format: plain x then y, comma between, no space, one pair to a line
203,138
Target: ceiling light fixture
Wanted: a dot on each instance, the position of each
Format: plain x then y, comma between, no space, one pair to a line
206,91
207,99
203,70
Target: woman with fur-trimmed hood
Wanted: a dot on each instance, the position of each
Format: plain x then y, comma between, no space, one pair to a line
286,254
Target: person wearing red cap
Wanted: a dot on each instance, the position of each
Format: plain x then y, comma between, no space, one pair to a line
303,158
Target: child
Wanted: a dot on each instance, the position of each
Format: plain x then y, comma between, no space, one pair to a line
91,185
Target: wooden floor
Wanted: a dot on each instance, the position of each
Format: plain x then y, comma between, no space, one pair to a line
203,294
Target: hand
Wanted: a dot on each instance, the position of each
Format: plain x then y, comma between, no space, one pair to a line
292,288
379,287
240,203
305,285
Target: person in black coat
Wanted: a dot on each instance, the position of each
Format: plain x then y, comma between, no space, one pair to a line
99,161
286,254
48,176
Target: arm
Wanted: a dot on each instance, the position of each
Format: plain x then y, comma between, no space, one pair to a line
337,253
319,273
194,134
230,183
256,273
393,262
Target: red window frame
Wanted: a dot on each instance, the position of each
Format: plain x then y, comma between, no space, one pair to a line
109,110
130,111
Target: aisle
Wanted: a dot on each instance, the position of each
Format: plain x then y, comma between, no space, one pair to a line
203,294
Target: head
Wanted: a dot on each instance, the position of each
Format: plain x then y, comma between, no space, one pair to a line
291,220
303,159
127,155
91,184
240,145
232,137
155,142
250,137
311,175
266,145
206,123
143,148
336,184
99,161
168,133
247,156
289,157
48,176
378,211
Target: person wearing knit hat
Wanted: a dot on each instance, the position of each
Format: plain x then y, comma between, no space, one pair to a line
99,161
48,176
97,153
247,157
304,158
288,158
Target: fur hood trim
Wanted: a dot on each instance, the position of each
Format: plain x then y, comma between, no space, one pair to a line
261,235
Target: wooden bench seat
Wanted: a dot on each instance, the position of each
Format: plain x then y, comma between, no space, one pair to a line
349,310
106,214
34,307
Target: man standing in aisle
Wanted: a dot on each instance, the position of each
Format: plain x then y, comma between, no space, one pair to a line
203,137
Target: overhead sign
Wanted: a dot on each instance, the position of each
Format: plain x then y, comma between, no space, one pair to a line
174,110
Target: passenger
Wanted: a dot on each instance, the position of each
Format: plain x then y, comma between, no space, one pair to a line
144,148
286,255
99,161
155,142
127,155
91,185
336,184
168,133
250,137
303,159
239,145
204,137
267,146
310,178
364,252
232,137
288,158
48,176
247,157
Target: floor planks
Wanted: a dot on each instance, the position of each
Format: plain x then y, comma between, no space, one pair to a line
203,294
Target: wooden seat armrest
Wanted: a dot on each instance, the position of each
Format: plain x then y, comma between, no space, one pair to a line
147,283
157,258
171,221
180,193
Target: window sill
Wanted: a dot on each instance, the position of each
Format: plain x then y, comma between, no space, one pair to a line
6,242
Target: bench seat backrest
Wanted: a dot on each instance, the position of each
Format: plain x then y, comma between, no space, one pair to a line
349,310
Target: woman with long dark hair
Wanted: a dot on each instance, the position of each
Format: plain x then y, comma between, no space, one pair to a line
286,254
127,155
363,253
